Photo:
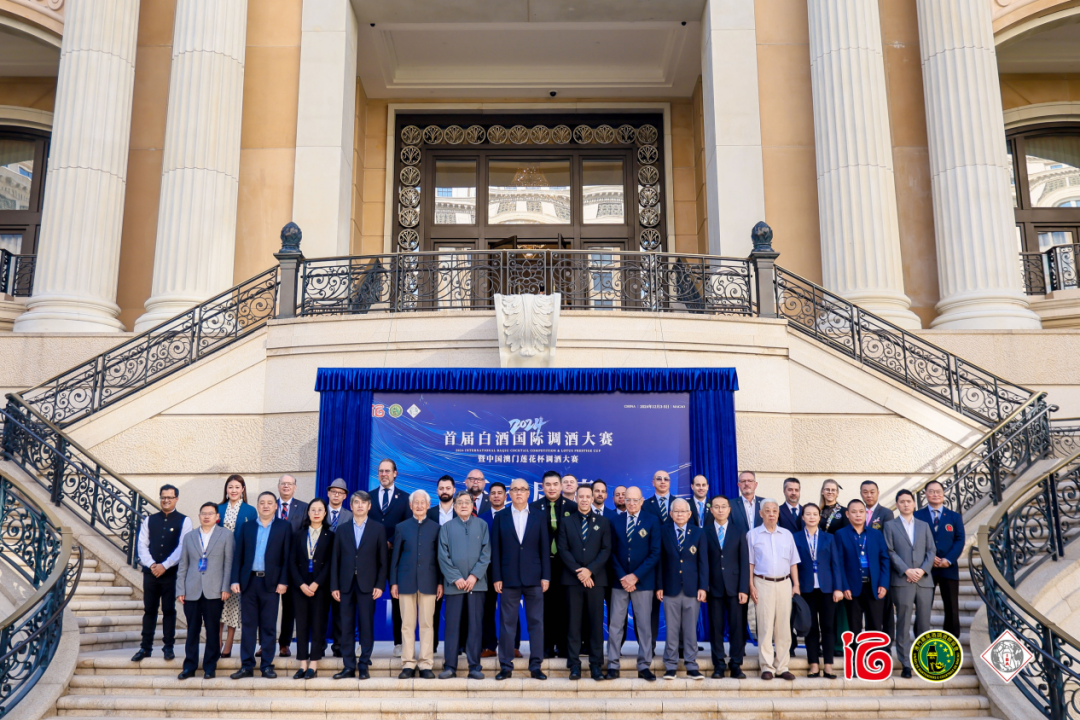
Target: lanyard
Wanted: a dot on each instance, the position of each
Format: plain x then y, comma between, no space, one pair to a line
310,545
812,545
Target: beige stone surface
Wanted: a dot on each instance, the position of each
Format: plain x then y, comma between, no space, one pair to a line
27,359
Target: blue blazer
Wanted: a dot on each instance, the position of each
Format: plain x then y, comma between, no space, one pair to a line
520,564
245,513
684,571
640,554
950,543
830,572
791,523
738,514
877,557
612,515
397,511
652,507
275,558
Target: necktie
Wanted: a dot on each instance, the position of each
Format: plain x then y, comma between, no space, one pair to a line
682,536
385,499
720,535
663,509
584,528
631,525
333,518
554,526
937,516
701,514
284,511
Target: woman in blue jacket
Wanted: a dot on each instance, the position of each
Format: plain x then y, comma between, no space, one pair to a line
233,512
820,581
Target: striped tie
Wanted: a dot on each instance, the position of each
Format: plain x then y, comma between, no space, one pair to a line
720,535
584,528
631,525
682,536
663,510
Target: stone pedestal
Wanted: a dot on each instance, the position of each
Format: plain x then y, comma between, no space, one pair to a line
196,232
860,236
978,267
79,249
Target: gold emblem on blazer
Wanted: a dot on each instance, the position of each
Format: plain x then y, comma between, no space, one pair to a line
693,549
595,527
643,532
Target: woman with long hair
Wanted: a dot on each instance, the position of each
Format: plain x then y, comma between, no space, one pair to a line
833,514
309,582
233,512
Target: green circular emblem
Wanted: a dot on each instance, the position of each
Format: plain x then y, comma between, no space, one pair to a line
395,411
936,656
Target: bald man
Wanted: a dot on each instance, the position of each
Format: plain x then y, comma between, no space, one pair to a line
635,554
699,503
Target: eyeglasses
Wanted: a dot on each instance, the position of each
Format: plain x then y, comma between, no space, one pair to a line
163,498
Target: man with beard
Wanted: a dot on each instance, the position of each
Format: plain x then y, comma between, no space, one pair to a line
442,514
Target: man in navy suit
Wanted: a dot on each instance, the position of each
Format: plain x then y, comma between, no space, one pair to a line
791,511
635,553
357,576
490,636
584,544
864,556
729,587
260,574
746,510
699,503
389,507
520,570
618,500
474,484
294,511
684,569
554,509
948,528
659,506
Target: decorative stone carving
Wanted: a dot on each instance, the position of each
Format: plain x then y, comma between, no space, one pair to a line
528,326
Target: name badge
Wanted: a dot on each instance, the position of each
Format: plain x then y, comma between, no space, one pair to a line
202,565
815,567
311,566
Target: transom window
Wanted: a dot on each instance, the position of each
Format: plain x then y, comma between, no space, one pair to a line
23,154
557,182
1045,167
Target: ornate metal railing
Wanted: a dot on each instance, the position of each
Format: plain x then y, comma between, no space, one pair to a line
469,280
16,274
1036,525
74,478
1055,268
144,359
37,547
1064,436
893,351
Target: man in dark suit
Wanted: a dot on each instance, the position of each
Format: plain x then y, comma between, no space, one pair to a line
416,582
160,536
699,502
442,512
948,529
474,485
618,500
292,511
336,513
389,506
729,587
584,544
876,517
746,509
791,511
260,573
635,553
490,636
684,571
864,557
659,506
520,570
554,509
357,576
599,497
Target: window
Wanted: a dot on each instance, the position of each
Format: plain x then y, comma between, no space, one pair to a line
22,172
529,192
1045,173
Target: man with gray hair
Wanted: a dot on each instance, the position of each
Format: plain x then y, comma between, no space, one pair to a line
774,580
464,555
685,577
294,511
635,554
416,583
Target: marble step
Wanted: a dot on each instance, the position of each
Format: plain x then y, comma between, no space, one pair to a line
93,579
353,708
103,591
113,607
122,638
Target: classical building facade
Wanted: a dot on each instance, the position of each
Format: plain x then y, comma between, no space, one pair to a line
919,157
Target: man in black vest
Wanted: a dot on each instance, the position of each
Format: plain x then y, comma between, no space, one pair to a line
159,554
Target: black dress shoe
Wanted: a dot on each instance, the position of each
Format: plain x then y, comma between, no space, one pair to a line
269,673
209,676
407,674
168,654
311,674
695,675
345,674
185,674
476,675
598,675
537,675
737,673
717,674
243,673
646,675
669,674
612,674
906,673
575,673
139,656
504,674
427,674
363,674
299,674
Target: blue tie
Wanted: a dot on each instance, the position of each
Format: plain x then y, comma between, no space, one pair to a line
385,500
701,514
663,509
720,535
682,536
584,528
333,519
631,524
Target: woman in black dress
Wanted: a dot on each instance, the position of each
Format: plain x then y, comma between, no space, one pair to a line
309,575
833,514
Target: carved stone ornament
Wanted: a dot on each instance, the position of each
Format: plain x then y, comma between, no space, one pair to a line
528,326
290,238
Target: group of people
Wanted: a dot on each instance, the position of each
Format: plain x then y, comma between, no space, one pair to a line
479,554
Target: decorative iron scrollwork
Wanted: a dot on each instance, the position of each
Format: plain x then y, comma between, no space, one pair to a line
540,135
408,240
561,135
648,175
519,134
453,135
583,135
410,176
497,135
647,154
409,197
646,135
650,239
650,216
433,135
475,134
409,217
604,134
648,196
410,155
627,134
411,135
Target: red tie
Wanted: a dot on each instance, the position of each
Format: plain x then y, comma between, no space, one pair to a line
284,511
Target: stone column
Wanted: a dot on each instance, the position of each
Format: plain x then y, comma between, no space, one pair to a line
196,232
79,247
734,166
860,235
978,267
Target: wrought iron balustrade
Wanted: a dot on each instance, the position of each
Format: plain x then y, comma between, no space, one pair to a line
74,478
1036,525
144,359
893,351
1055,268
1064,436
470,279
16,273
38,548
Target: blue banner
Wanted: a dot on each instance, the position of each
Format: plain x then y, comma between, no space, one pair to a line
622,438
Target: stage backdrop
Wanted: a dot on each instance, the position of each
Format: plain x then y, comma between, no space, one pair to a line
617,424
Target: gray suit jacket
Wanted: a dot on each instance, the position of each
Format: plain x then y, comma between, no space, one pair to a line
193,584
903,557
464,549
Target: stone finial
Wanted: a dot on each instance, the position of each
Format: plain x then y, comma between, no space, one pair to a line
290,238
762,236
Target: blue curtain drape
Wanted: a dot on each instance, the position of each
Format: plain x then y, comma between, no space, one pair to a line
346,395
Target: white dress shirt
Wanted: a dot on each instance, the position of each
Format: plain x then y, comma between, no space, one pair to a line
145,558
749,508
772,553
386,494
909,526
794,509
205,538
445,516
521,519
